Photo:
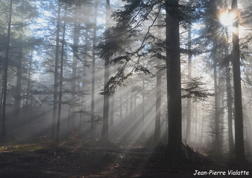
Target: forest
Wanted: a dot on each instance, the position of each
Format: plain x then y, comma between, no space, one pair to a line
125,88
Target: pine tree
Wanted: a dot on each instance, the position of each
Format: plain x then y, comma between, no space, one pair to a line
61,76
93,73
55,87
6,74
173,84
229,99
158,96
239,140
105,127
188,106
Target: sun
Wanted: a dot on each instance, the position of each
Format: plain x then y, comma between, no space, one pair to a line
227,19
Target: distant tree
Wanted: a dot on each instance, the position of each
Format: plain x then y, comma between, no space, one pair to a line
143,107
105,126
111,114
61,76
55,86
76,36
216,100
212,31
24,12
188,105
28,88
6,74
157,131
93,72
229,105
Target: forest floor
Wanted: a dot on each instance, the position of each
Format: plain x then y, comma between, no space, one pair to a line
73,161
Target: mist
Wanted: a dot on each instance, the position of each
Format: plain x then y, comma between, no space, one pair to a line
170,80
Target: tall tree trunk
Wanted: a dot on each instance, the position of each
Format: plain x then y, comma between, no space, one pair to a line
55,94
221,106
131,113
31,118
158,96
76,36
105,127
134,105
19,74
6,74
173,84
158,108
127,104
216,105
93,76
111,118
61,76
1,106
80,117
239,140
229,101
18,82
188,105
135,118
28,89
229,104
121,106
143,109
196,122
68,118
202,125
85,60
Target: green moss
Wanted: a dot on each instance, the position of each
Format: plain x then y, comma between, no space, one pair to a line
27,147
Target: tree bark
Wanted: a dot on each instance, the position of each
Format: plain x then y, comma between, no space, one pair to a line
216,105
239,140
173,84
